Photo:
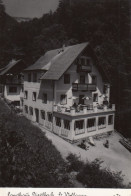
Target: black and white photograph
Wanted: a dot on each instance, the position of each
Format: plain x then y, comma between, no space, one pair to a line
65,95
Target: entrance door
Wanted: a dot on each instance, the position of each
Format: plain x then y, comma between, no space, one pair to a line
81,99
37,115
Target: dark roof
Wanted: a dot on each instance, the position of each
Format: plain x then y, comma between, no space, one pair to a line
43,62
9,66
55,63
63,61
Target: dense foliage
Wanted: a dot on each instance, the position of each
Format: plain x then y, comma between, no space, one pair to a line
27,157
92,176
104,23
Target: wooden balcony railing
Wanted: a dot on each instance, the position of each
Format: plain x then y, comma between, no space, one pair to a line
83,87
84,68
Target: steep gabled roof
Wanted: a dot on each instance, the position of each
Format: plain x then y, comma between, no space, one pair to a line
56,62
61,62
43,62
9,67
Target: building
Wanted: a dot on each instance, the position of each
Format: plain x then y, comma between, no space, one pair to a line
68,93
11,82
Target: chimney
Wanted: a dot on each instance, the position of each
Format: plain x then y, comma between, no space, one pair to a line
63,48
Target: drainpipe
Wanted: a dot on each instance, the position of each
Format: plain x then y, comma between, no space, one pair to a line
53,84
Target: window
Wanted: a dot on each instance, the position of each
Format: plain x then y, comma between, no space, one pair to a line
101,122
50,117
29,77
44,98
91,124
88,61
82,79
81,99
94,79
58,122
12,89
67,79
67,124
63,99
34,77
26,95
110,119
31,111
82,61
26,109
34,96
43,114
95,97
79,124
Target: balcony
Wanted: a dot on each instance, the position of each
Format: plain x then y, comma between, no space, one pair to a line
14,81
83,87
83,109
84,68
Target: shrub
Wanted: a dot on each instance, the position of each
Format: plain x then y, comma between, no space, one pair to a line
74,164
91,175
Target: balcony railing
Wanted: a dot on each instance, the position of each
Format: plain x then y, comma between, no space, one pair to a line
84,68
14,81
83,87
85,109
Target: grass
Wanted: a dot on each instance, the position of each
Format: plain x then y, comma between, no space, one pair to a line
34,161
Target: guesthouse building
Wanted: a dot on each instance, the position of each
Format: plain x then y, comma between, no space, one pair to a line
67,92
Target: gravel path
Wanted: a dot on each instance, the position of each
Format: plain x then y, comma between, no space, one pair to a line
116,157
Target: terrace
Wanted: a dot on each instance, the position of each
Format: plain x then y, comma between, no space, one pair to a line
83,109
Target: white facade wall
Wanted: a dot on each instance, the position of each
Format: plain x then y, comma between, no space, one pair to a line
54,90
12,96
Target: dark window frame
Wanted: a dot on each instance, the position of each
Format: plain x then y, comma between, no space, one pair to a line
110,120
34,95
95,97
65,99
26,109
12,89
102,122
58,121
79,124
66,78
25,94
44,99
31,111
42,112
94,81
